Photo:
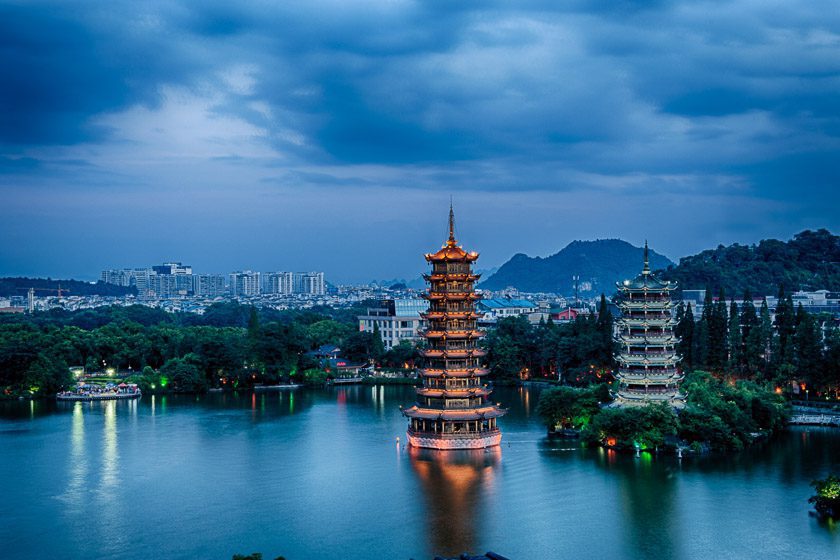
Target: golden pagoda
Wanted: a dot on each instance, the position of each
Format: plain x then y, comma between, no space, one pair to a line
453,409
647,363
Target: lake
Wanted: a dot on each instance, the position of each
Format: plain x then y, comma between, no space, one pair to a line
318,473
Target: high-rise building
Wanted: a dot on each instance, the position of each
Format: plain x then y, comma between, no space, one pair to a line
174,268
245,283
647,362
208,285
453,410
296,283
312,283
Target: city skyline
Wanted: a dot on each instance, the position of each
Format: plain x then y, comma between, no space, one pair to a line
327,136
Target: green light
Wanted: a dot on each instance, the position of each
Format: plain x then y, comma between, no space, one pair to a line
163,381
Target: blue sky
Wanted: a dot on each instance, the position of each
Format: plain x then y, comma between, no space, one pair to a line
330,135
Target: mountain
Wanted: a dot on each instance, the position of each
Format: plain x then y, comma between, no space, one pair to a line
599,265
809,261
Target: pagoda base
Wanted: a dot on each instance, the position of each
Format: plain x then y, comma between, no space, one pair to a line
430,440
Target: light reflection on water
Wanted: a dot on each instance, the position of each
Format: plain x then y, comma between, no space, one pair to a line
453,485
312,473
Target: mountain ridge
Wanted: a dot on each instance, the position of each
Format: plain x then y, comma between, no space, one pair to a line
598,264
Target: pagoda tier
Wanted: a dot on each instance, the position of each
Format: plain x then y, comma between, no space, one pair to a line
647,371
453,409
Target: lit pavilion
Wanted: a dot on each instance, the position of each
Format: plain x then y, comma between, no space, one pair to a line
647,362
453,410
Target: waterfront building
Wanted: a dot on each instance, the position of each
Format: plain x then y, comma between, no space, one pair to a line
453,410
647,361
397,320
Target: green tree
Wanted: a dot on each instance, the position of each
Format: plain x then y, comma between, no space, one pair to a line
567,407
827,499
736,349
685,332
785,328
185,374
808,347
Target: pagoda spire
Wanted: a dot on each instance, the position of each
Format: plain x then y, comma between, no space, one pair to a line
646,269
451,240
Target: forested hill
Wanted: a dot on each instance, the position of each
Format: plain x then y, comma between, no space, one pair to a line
47,286
809,261
599,264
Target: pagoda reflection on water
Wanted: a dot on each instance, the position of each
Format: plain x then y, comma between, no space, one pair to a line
647,362
453,410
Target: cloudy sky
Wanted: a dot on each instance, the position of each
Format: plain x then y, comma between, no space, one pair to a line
330,135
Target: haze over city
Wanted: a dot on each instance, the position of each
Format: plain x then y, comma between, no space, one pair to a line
331,135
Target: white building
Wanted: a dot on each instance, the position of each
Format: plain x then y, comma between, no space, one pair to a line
397,320
311,283
208,285
245,283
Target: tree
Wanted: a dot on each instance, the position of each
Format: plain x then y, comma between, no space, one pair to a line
736,350
785,327
567,407
185,374
808,346
827,499
606,345
685,332
751,336
716,347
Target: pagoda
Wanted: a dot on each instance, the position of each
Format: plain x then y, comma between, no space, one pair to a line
647,362
452,409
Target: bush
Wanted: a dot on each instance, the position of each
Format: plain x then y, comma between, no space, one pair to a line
626,428
827,499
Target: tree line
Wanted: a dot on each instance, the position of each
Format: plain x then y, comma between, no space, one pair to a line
230,344
745,342
576,352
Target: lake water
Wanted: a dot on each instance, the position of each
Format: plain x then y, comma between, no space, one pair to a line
318,474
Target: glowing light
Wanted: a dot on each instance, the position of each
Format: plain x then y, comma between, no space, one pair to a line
164,381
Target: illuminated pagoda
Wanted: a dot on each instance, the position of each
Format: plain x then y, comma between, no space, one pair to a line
453,410
647,362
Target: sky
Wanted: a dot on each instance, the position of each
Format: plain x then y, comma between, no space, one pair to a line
331,135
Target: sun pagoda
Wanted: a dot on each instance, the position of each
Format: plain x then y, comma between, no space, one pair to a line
647,362
453,410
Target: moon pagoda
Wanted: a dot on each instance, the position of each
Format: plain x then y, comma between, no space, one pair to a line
647,362
453,410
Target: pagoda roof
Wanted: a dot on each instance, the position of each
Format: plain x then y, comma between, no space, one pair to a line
451,251
482,413
646,280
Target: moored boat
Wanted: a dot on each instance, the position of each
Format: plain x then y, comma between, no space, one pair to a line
120,392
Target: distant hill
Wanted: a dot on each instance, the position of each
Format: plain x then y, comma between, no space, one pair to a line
810,261
44,287
599,264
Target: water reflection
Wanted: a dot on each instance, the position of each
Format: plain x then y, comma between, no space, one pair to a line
110,453
454,484
78,465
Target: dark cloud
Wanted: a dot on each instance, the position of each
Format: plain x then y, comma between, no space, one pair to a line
615,101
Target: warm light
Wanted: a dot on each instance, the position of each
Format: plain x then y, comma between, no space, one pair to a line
778,390
110,371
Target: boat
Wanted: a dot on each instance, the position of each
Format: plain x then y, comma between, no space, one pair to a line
123,391
279,387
